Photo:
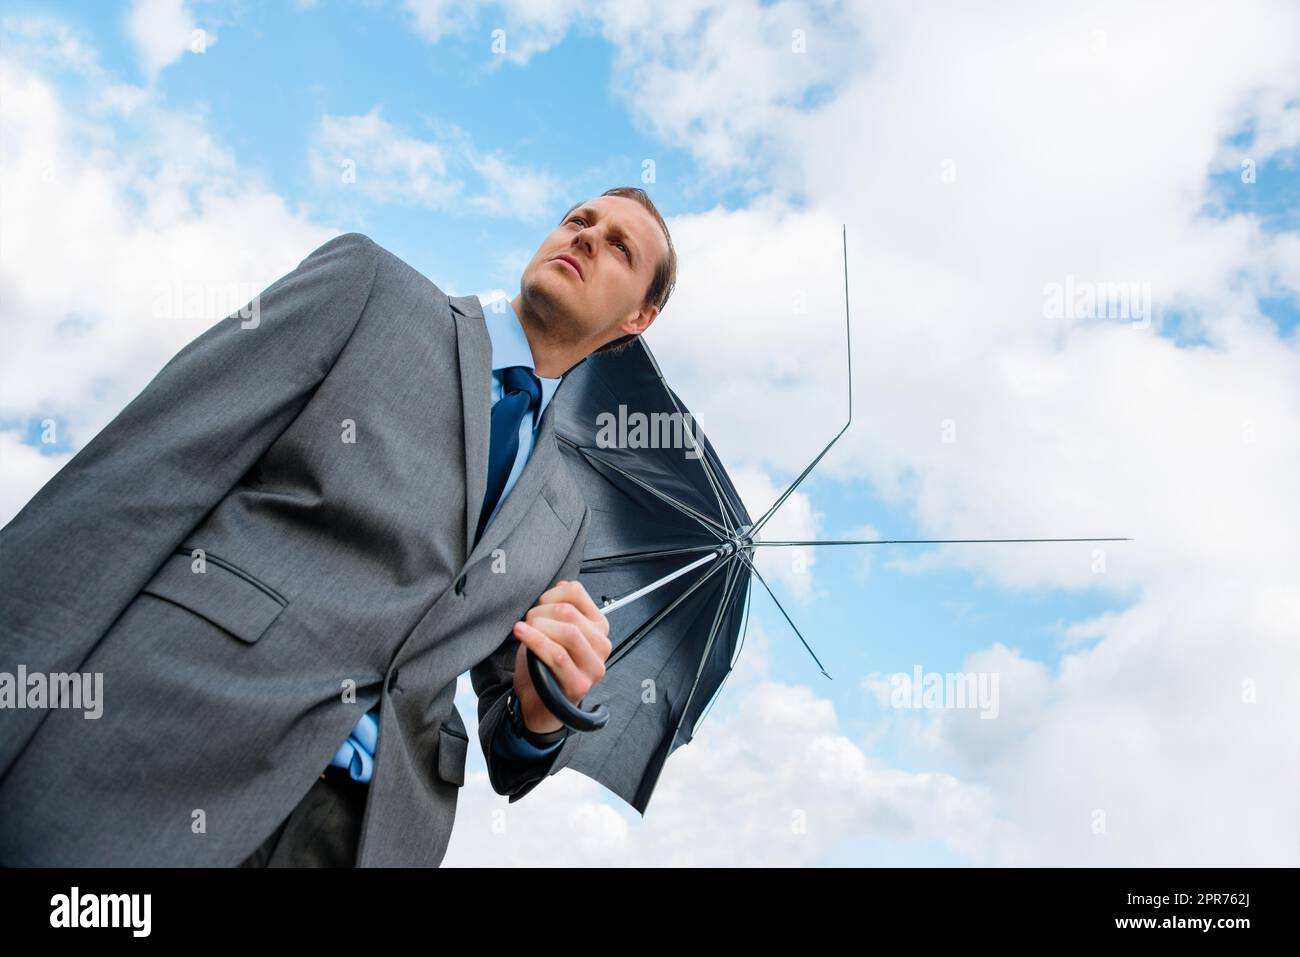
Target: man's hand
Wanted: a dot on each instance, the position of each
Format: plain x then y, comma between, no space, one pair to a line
570,635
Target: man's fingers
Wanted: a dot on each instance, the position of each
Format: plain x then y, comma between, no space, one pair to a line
574,593
570,635
550,652
574,637
578,596
575,642
596,632
556,645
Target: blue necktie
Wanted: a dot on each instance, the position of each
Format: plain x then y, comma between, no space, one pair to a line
523,394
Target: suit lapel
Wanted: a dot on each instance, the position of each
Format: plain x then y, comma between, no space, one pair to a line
474,347
475,351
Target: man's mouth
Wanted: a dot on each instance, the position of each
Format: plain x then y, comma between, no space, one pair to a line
572,263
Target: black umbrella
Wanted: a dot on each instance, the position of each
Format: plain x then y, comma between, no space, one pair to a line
671,542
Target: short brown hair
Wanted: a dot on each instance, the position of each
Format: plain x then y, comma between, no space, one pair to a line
665,277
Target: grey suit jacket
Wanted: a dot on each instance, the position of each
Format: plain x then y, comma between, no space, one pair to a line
329,462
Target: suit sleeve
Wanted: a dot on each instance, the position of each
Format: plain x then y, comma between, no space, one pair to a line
82,548
511,747
492,679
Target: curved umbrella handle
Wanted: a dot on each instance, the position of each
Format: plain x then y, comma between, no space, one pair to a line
569,714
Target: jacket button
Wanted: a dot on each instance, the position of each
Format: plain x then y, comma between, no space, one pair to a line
460,585
392,681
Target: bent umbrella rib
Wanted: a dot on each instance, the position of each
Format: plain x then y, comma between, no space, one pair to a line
848,352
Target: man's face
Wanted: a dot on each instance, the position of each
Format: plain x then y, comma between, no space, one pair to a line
614,246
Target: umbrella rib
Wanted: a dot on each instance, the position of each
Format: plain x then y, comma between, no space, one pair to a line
795,484
848,352
729,515
703,457
744,626
782,609
677,728
682,507
613,604
628,643
718,618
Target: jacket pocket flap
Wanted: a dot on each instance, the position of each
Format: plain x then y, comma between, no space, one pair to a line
452,751
222,594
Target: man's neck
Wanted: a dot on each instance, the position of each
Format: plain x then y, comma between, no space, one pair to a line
550,359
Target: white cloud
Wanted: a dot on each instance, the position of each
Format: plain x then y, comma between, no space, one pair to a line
434,19
162,32
386,165
48,42
1176,733
515,31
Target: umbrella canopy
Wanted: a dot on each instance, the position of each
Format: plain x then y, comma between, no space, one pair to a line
662,508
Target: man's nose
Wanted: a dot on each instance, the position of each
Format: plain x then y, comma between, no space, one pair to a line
584,240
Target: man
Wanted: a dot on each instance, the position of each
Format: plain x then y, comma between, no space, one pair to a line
303,519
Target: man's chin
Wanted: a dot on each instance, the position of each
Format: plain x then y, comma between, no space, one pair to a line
552,305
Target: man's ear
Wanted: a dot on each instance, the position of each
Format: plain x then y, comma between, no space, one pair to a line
641,321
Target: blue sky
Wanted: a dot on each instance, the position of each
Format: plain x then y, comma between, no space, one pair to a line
1097,431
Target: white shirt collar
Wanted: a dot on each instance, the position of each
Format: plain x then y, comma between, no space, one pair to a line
510,346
